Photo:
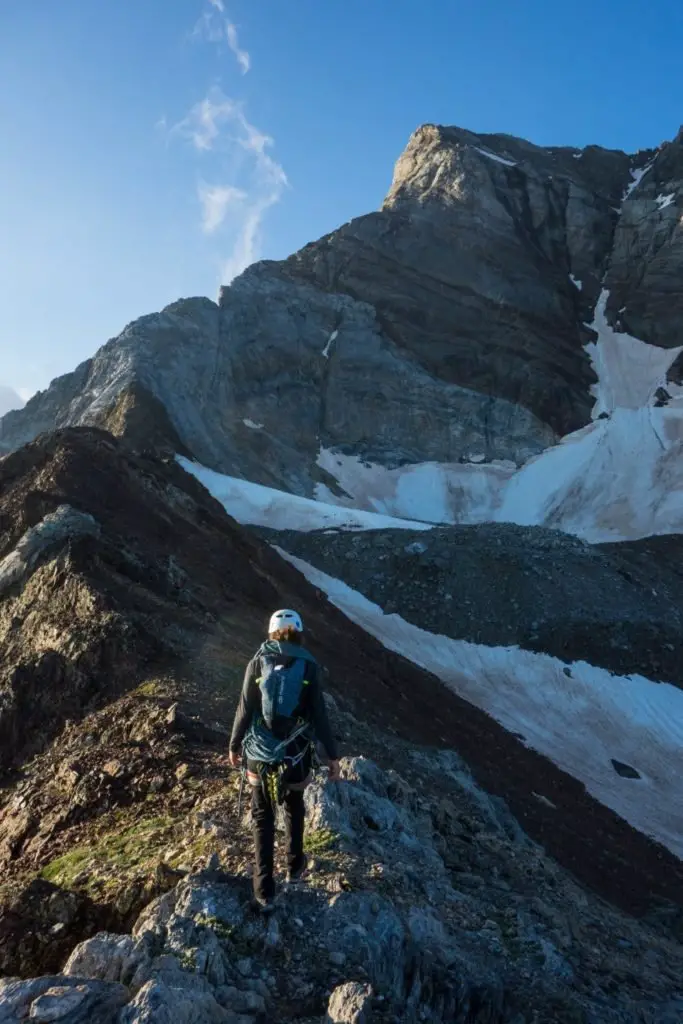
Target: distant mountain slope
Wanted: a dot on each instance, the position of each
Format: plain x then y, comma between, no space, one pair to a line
9,400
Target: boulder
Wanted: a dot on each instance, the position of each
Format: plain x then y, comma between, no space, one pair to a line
350,1003
59,998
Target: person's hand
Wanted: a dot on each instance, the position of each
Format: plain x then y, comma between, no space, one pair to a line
334,774
235,758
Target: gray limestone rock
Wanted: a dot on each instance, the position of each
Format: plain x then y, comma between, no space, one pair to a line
370,933
350,1003
69,1000
645,268
105,957
157,1003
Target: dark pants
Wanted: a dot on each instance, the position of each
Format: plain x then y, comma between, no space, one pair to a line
263,823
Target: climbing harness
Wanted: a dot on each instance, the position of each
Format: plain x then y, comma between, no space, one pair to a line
258,745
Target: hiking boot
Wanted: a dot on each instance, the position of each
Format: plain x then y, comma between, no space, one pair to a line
263,906
294,874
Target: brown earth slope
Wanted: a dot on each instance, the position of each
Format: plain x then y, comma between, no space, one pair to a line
114,637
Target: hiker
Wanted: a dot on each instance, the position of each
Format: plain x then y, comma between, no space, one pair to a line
281,714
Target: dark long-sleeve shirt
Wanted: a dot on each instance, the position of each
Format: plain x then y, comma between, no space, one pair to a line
311,708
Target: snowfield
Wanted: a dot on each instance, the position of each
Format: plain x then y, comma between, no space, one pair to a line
618,478
256,505
579,716
431,491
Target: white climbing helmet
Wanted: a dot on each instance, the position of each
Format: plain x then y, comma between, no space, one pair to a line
285,617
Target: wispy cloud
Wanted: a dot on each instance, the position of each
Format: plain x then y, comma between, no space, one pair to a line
241,56
218,128
216,200
217,27
203,124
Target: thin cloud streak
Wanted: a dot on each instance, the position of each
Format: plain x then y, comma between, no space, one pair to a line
241,56
215,26
218,125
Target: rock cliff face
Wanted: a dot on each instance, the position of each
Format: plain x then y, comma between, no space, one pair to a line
451,323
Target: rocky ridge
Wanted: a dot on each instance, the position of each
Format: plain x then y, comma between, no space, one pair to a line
129,605
425,902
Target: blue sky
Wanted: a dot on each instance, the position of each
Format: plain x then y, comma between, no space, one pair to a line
150,149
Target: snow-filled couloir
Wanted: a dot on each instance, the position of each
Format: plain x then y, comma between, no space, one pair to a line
619,478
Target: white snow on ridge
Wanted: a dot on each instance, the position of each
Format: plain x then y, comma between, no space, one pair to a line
256,505
252,426
579,716
575,281
663,201
498,159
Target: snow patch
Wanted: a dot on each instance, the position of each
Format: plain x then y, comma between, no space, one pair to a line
629,370
430,491
494,156
252,426
575,281
579,716
637,176
663,201
332,337
620,477
256,505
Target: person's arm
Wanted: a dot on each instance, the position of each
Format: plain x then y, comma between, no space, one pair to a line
321,725
247,707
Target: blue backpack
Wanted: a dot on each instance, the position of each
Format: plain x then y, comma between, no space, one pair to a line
281,687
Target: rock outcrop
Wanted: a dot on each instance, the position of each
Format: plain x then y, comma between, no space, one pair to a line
419,907
451,321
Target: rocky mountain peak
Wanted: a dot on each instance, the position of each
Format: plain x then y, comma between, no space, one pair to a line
451,324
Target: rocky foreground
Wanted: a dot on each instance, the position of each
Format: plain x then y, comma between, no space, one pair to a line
129,604
425,902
